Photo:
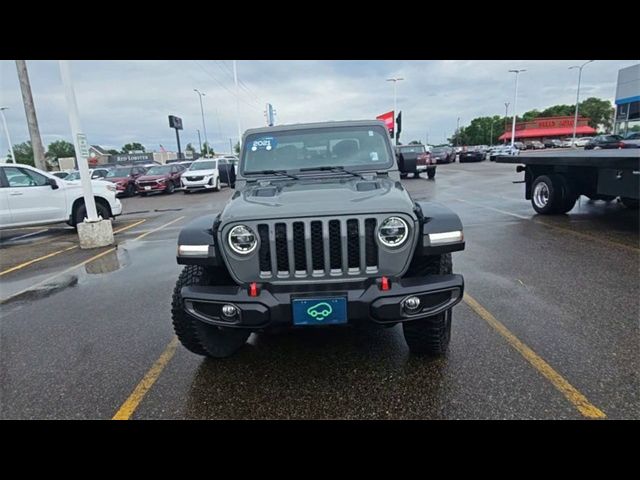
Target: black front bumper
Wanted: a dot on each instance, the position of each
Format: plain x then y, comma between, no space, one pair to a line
366,301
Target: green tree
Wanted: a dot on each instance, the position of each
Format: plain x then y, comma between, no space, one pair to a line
558,111
531,115
600,112
206,148
113,151
60,149
24,153
415,142
237,148
132,147
189,148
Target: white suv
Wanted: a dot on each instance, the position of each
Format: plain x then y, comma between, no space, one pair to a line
29,196
202,174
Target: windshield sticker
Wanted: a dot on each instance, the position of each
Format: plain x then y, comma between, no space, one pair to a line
266,143
370,133
373,156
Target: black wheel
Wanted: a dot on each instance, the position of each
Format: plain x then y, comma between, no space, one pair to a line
551,194
216,187
403,175
416,175
199,337
431,173
431,335
143,194
130,191
631,203
186,190
170,188
81,213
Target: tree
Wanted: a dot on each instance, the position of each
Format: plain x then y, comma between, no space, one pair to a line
600,112
135,146
206,148
189,148
113,151
60,149
237,148
24,153
415,142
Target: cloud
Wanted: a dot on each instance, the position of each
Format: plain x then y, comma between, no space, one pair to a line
124,101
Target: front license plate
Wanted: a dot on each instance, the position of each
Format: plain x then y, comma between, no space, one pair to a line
147,188
319,311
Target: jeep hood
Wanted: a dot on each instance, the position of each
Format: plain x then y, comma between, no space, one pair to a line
317,197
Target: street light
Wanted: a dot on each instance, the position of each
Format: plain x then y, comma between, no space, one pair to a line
515,106
575,120
6,129
204,127
395,81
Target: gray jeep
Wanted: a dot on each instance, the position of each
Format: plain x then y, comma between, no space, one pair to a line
319,232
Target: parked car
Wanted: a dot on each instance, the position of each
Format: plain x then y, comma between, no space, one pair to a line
100,172
534,145
208,174
520,145
631,140
472,155
415,159
314,240
604,141
29,197
125,178
443,154
185,163
504,150
62,174
160,178
583,141
552,143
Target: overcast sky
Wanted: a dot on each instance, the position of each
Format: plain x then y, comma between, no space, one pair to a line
126,101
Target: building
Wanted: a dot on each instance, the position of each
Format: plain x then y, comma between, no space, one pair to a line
549,128
98,155
628,100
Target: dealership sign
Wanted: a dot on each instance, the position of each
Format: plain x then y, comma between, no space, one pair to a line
387,118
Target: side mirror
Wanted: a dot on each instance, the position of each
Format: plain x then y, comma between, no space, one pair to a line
54,185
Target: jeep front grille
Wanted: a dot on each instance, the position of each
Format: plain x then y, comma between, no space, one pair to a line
318,248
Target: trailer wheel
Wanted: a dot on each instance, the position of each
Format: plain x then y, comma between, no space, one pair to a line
552,194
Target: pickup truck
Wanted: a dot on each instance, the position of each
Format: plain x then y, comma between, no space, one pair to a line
30,197
415,159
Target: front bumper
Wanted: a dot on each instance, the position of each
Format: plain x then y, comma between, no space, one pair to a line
365,301
116,207
155,187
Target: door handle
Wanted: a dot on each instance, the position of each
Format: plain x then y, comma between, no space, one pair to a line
15,193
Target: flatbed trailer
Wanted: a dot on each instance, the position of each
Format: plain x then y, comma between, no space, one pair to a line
554,180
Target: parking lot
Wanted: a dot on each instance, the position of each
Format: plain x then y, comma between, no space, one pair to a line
548,328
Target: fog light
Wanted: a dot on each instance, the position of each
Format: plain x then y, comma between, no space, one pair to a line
229,311
411,304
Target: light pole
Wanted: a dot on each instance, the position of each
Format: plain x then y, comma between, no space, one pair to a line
515,106
204,127
199,141
458,132
575,119
506,115
395,81
235,79
6,129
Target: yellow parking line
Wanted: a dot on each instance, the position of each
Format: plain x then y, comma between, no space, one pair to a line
159,228
577,399
135,224
35,260
129,406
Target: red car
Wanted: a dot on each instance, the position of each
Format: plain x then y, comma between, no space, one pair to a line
125,178
162,178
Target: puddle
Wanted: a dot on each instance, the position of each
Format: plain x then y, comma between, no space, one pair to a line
108,263
45,290
167,209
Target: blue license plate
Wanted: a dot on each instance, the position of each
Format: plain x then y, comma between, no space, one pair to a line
319,311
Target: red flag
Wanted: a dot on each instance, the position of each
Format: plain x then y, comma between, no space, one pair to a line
162,149
388,118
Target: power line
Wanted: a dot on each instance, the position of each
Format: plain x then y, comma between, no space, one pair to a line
249,103
242,85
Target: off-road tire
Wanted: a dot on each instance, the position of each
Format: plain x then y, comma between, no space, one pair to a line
199,337
431,335
431,173
130,191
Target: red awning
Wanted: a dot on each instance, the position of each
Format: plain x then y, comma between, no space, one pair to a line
548,132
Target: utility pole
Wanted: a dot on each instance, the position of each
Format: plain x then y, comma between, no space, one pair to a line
506,115
231,147
575,120
395,81
458,133
94,231
235,79
32,119
204,126
491,134
6,130
515,106
199,141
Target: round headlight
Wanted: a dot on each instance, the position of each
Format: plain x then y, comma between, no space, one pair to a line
393,232
242,240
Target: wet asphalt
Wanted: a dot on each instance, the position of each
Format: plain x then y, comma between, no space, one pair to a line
77,342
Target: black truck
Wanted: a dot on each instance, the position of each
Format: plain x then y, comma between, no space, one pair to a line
554,181
415,159
319,232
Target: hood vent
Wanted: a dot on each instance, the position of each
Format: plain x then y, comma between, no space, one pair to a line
367,186
265,192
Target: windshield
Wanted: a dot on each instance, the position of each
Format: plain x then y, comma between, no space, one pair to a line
413,149
208,165
119,172
163,170
360,147
72,176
